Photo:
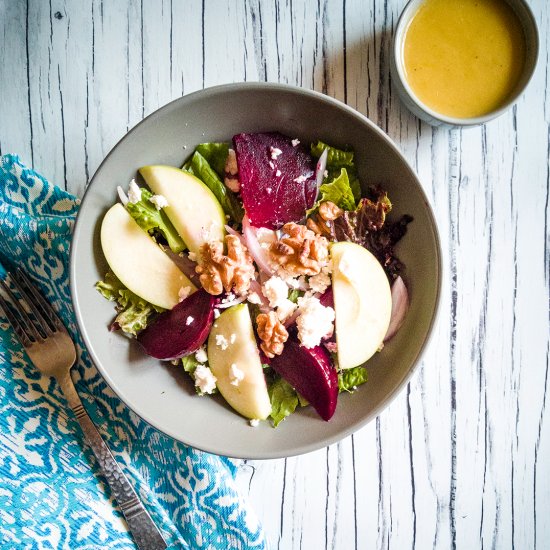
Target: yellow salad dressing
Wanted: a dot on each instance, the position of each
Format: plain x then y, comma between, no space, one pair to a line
463,58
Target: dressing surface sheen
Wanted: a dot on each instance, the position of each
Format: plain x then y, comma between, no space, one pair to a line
463,58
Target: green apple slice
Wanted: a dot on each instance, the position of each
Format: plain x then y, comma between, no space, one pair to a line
362,303
192,208
232,342
139,262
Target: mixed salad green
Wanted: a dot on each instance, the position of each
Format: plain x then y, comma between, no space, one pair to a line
261,268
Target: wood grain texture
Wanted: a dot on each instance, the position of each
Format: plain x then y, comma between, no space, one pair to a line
461,458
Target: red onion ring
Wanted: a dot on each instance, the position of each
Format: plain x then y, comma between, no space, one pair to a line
399,307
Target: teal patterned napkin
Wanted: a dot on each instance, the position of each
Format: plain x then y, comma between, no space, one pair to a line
52,494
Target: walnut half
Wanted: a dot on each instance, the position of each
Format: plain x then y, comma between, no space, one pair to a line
300,251
230,272
272,333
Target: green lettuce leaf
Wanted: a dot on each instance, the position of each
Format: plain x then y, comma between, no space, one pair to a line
284,400
337,191
199,167
336,157
152,220
216,155
349,379
133,312
189,363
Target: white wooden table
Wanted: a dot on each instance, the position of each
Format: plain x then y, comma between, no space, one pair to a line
461,459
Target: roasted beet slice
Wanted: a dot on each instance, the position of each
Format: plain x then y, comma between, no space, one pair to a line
311,373
277,178
180,330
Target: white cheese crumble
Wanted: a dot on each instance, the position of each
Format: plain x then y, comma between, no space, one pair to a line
271,165
192,256
235,375
189,320
221,341
205,381
254,298
134,192
275,290
200,355
314,322
320,282
278,173
183,293
216,313
275,152
159,201
295,142
285,309
269,190
254,422
300,179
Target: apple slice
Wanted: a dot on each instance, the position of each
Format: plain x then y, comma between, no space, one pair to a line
362,303
192,208
232,342
139,262
181,330
311,373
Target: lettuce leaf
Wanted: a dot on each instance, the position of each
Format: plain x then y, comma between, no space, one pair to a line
199,167
349,379
216,155
133,312
336,160
337,191
284,400
152,220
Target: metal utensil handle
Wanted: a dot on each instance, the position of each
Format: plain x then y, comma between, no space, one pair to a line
145,532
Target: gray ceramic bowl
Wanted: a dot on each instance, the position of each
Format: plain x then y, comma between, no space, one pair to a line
422,111
161,393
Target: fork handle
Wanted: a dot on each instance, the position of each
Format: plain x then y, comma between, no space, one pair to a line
145,532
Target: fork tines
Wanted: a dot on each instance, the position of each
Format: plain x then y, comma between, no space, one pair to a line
30,315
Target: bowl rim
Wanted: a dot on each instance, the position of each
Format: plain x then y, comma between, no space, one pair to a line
431,116
300,448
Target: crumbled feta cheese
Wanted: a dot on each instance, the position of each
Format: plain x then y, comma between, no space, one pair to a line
205,381
278,173
232,338
295,142
221,341
300,179
216,313
314,322
320,282
325,174
189,320
254,298
134,192
235,375
285,309
192,256
229,298
183,293
275,152
200,355
159,201
271,165
269,190
275,290
254,422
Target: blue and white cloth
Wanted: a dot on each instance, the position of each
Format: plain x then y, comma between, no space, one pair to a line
52,494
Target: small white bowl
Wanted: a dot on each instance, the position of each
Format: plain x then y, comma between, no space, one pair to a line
421,110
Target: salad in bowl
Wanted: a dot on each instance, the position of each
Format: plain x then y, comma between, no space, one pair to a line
260,268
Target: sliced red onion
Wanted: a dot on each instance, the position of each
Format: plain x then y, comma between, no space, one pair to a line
292,319
237,300
320,169
399,307
122,195
258,253
185,265
256,288
232,231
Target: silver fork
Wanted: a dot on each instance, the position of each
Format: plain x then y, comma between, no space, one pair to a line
53,353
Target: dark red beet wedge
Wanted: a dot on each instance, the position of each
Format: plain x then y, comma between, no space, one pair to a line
180,330
276,188
311,373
